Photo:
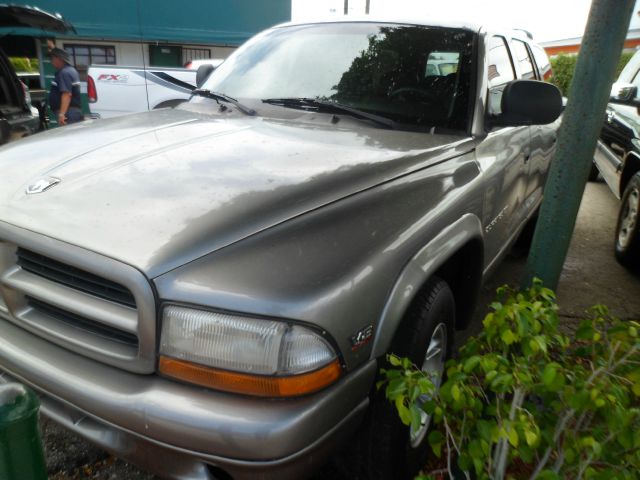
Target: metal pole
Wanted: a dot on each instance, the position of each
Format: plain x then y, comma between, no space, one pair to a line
582,120
346,7
367,7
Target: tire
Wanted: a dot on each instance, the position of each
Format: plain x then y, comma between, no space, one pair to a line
593,173
628,227
385,448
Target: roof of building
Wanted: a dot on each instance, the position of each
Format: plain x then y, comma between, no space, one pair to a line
563,42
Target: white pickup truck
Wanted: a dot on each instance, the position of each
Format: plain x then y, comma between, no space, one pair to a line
115,90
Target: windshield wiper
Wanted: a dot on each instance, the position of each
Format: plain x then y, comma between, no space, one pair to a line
321,105
218,97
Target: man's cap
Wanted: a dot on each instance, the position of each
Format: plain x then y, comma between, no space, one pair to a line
61,54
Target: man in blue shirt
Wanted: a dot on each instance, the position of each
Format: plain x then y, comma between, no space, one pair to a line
64,97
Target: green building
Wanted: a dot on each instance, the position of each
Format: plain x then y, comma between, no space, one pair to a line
141,32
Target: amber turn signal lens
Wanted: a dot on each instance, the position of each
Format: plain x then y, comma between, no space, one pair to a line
257,385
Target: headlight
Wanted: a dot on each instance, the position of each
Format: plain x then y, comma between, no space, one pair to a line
244,355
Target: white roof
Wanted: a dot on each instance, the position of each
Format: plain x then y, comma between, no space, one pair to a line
430,22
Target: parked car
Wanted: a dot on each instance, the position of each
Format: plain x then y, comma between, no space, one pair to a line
18,118
209,291
115,90
617,158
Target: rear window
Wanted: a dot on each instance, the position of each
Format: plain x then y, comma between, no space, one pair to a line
442,63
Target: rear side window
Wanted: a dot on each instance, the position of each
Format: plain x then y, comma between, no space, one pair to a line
542,60
521,54
500,71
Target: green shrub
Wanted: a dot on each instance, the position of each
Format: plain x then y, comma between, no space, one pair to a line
523,400
564,66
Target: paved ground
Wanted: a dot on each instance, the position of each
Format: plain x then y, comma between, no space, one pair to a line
591,275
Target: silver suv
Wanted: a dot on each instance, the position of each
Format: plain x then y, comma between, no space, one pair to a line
211,290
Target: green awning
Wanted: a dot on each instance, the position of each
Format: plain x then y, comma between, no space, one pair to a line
226,22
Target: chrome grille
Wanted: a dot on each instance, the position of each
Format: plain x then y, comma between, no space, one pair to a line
74,277
83,323
88,303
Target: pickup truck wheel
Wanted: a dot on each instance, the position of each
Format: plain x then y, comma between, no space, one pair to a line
387,448
628,228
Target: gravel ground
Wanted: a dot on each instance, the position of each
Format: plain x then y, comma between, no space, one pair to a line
591,275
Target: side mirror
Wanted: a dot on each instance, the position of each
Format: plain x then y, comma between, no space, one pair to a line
529,102
203,73
622,92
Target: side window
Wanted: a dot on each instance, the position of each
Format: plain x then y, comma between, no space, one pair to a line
83,56
542,60
523,58
500,71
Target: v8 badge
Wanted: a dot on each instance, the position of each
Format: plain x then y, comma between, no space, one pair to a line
361,337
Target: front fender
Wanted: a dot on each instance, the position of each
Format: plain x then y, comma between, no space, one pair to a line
423,265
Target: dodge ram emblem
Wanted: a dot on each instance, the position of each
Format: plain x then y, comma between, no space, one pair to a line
41,184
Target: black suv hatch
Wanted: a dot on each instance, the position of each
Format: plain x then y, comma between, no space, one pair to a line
32,17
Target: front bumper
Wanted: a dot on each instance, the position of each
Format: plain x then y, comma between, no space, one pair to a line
181,431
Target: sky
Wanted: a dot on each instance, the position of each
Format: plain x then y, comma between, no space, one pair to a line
545,19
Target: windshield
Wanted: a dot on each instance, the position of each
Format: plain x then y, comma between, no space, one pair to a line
417,76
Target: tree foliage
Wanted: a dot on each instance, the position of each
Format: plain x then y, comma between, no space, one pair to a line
523,400
564,66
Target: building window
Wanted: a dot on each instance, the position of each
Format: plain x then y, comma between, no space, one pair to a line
189,54
83,56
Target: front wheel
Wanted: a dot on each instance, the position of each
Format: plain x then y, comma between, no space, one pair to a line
628,228
388,449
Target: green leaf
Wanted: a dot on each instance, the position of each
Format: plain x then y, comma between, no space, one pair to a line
530,437
485,429
548,475
396,388
436,439
508,337
455,392
585,331
394,360
403,411
471,364
549,374
416,416
513,437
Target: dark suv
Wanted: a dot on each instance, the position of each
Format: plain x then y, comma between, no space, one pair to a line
617,158
17,116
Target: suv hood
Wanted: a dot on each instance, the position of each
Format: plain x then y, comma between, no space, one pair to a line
15,16
159,189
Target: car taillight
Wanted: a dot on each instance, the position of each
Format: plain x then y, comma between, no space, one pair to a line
92,92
